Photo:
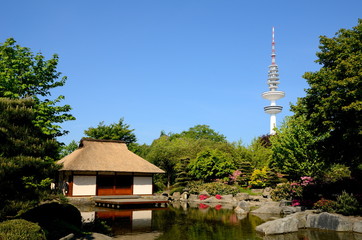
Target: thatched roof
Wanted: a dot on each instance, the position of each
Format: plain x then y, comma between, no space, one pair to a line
106,156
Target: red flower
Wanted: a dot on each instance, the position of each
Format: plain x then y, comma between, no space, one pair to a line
217,196
203,197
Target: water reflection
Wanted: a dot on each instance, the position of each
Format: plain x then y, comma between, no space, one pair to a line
200,222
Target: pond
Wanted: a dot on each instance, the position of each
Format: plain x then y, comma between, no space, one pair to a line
202,222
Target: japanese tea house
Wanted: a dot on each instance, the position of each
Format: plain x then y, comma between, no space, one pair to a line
106,167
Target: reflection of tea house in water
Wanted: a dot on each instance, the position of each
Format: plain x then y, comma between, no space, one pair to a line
106,167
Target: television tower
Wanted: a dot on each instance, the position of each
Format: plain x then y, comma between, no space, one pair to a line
272,95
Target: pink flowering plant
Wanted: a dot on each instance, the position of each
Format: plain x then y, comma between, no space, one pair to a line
218,196
203,197
292,190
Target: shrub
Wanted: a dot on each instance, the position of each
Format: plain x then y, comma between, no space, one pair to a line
213,188
258,178
58,220
336,173
287,191
20,229
347,204
325,205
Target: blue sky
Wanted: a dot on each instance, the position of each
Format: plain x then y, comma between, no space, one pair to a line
170,65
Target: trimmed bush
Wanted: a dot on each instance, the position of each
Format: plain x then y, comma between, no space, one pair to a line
20,229
325,205
347,204
58,220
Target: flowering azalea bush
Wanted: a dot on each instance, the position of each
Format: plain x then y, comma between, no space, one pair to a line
291,190
325,205
217,196
203,197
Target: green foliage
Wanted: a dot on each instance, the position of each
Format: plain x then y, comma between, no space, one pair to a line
23,75
246,170
287,191
18,133
212,188
26,157
19,229
294,150
58,220
333,103
325,205
336,173
182,175
200,132
68,149
259,178
347,204
211,164
259,152
115,131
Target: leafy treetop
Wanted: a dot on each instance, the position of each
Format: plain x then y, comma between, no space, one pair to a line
201,132
25,75
333,103
114,131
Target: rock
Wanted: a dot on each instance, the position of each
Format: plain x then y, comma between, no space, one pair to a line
279,226
239,210
289,210
242,196
193,197
329,221
184,196
357,227
266,192
269,207
244,205
203,192
176,196
256,198
211,200
284,203
227,198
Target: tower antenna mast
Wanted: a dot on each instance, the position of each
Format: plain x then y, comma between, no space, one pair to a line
273,94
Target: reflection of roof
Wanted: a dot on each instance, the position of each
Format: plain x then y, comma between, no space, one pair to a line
107,156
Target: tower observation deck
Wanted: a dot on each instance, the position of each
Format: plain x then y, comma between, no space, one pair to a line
273,94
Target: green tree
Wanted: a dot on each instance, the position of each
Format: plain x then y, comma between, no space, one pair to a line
211,164
68,149
333,102
259,153
115,131
200,132
26,157
25,75
294,150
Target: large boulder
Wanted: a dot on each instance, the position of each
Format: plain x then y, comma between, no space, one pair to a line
267,192
279,226
269,208
176,196
243,207
242,196
227,198
184,196
329,221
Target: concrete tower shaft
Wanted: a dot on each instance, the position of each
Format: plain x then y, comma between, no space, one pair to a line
273,94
